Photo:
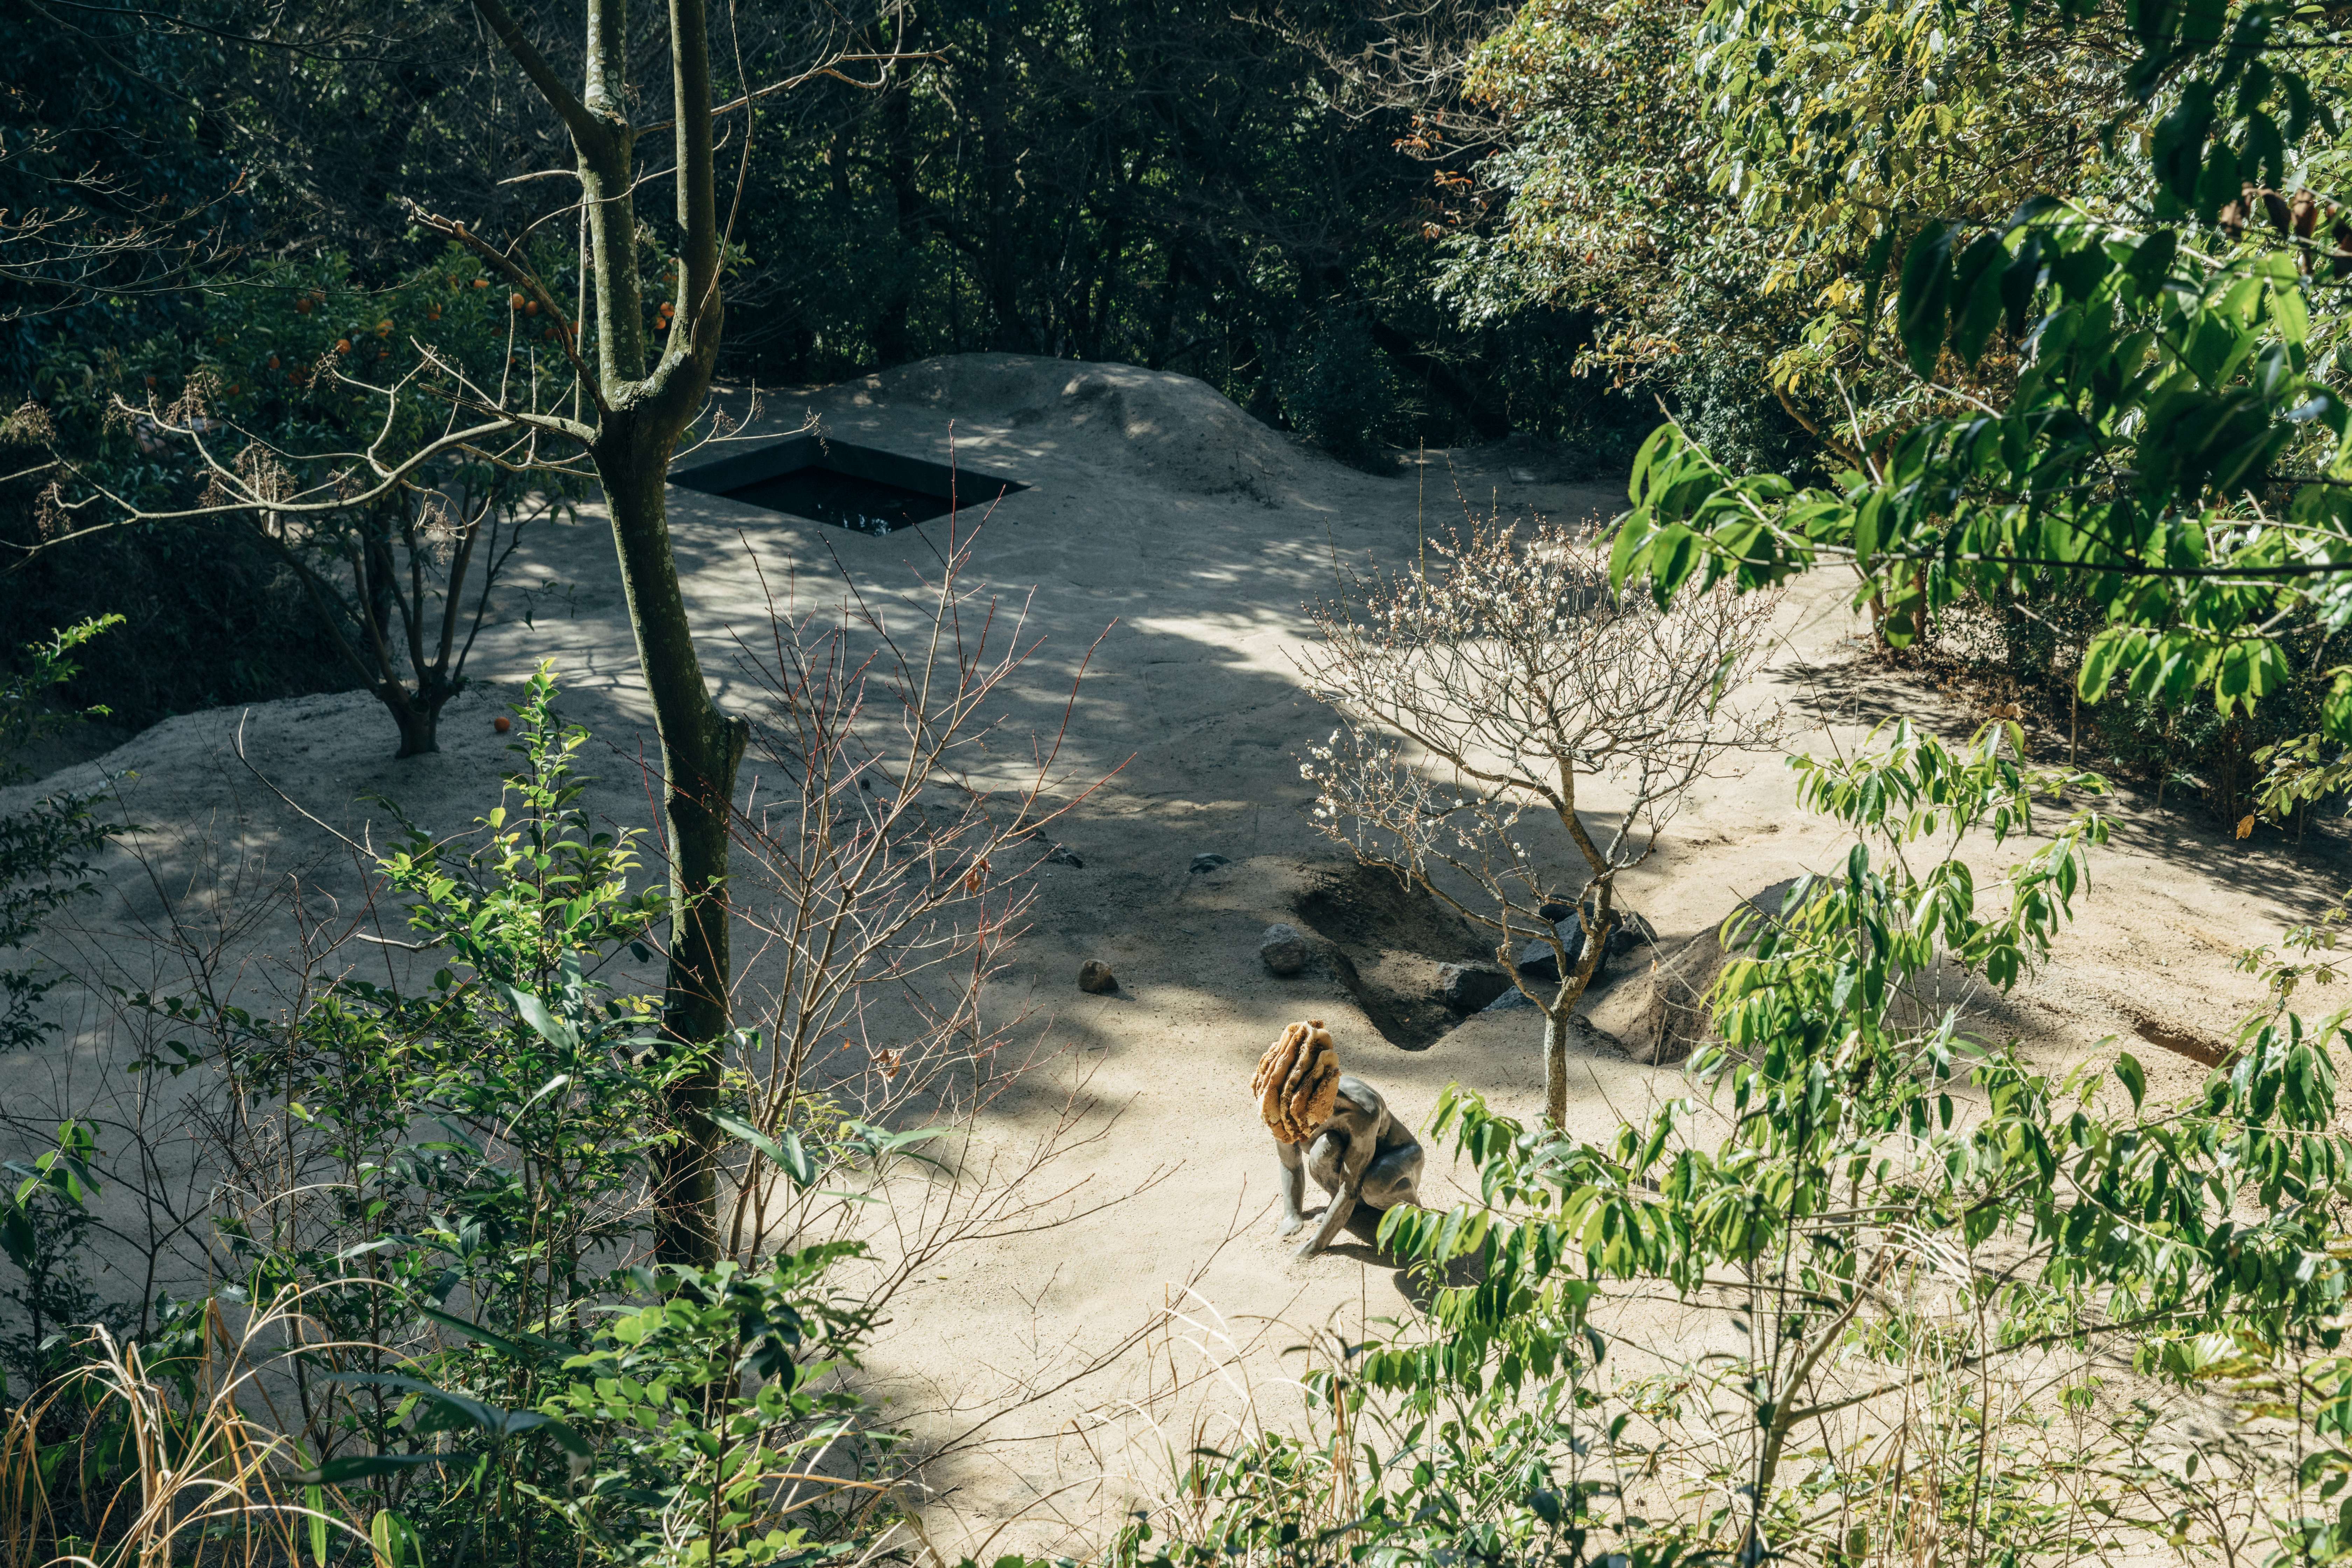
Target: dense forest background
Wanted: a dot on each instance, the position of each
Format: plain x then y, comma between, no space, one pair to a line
1269,198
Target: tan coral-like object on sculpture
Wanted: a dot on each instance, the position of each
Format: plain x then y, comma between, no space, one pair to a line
1297,1081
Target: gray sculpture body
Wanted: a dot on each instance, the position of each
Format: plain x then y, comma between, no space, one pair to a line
1360,1154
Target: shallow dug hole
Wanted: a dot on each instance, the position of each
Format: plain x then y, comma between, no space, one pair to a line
1388,940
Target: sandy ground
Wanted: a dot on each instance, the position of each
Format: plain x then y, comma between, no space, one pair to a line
1160,511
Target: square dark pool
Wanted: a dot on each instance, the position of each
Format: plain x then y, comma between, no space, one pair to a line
848,486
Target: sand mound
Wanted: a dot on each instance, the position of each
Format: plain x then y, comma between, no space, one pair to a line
1181,433
1155,502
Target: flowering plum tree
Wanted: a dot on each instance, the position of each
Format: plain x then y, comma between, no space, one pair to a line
1484,695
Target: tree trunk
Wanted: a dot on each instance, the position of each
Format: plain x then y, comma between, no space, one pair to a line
701,749
640,417
419,722
1000,265
894,339
1556,1067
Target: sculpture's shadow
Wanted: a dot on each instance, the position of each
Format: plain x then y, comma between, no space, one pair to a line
1418,1285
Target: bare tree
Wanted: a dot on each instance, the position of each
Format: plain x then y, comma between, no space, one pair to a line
888,860
1482,693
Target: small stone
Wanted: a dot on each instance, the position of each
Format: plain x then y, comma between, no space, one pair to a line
1467,988
1283,950
1055,854
1208,863
1095,978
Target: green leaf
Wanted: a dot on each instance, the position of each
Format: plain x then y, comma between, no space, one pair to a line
395,1541
2287,310
357,1467
2151,260
314,1499
786,1153
545,1024
1925,298
2101,661
2133,1075
1977,295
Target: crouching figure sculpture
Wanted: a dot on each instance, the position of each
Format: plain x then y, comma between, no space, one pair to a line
1336,1126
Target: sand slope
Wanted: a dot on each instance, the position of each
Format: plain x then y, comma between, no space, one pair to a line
1161,511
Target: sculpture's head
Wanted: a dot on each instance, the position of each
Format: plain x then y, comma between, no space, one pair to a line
1297,1081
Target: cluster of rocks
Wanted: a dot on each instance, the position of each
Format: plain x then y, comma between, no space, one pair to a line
1675,1022
1468,987
1540,959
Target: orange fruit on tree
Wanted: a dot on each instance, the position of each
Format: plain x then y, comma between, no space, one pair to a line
514,301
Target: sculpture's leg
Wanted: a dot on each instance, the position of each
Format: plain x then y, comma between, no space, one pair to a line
1326,1158
1294,1186
1394,1177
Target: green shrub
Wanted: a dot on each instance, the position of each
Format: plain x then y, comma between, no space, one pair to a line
435,1259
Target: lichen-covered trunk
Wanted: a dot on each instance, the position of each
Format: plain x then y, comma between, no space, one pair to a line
700,751
1556,1067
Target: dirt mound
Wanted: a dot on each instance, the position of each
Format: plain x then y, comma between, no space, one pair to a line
1388,942
1181,432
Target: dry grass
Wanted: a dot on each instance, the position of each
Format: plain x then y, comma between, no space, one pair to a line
120,1463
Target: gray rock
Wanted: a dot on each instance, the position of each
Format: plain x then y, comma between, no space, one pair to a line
1538,961
1095,978
1467,988
1632,932
1514,997
1208,863
1677,1020
1282,950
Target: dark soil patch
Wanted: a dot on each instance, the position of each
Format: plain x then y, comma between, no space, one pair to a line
1388,940
2200,1048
